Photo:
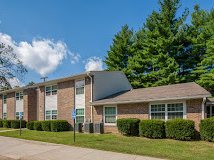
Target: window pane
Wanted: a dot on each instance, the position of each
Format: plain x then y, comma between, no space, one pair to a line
17,113
5,97
110,110
79,90
17,117
17,94
5,101
158,107
54,87
158,116
54,92
110,119
48,89
175,115
48,117
80,119
80,84
48,93
175,107
48,112
54,111
54,116
79,112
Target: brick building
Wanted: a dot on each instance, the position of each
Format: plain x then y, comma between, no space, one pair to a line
104,97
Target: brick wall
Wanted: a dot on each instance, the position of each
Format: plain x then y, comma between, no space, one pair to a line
194,111
30,104
11,106
65,100
87,99
1,106
41,103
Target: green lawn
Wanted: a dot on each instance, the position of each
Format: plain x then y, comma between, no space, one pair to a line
162,148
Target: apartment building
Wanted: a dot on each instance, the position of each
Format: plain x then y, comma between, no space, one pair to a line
104,97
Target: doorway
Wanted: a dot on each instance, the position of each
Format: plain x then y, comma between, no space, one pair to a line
210,111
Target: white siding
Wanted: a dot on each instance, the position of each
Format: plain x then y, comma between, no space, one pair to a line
51,102
109,82
19,105
4,108
80,101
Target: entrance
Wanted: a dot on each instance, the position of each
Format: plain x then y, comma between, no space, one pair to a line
210,111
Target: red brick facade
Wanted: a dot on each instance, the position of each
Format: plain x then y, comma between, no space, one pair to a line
11,106
41,101
87,99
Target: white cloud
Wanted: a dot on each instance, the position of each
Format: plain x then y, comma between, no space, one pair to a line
94,64
43,55
15,82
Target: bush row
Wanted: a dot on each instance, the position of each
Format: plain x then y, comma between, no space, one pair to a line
53,125
12,123
176,129
207,129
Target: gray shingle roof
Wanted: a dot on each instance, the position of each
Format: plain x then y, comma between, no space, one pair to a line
162,92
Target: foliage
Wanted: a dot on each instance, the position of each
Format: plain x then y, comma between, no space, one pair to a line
16,124
30,125
128,126
180,129
31,83
1,123
152,128
38,125
59,125
46,125
7,123
207,129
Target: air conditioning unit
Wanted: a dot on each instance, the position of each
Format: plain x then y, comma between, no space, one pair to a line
98,128
88,128
78,127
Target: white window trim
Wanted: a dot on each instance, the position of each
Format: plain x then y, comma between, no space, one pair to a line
80,115
109,124
166,110
3,99
51,114
51,89
19,96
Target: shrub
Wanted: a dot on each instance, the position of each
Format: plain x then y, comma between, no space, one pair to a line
30,125
207,129
7,123
128,126
16,124
152,128
46,125
1,123
59,125
38,125
180,129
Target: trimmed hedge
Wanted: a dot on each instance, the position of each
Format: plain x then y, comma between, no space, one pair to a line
7,123
30,125
1,123
38,125
207,129
16,124
59,125
180,129
128,126
46,125
152,128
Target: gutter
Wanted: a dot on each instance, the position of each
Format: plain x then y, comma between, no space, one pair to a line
149,100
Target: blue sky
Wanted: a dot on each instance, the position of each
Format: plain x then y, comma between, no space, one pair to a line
78,30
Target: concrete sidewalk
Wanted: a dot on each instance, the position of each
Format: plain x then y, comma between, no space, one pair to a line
13,148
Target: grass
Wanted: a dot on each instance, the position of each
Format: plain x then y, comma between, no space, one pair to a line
1,129
162,148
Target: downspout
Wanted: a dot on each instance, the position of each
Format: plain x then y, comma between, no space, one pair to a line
203,104
91,96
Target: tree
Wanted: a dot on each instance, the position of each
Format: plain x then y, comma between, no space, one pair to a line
120,51
10,65
156,60
31,83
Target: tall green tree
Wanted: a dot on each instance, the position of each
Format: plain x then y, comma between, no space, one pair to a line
156,61
120,51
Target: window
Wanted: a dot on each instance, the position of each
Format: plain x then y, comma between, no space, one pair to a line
5,116
5,99
18,115
158,111
80,86
80,115
110,115
51,90
19,96
50,114
167,111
